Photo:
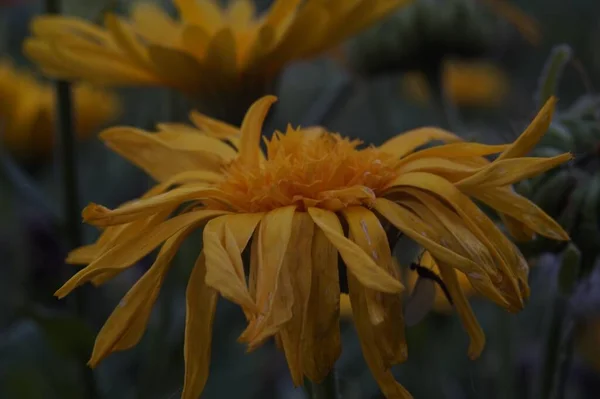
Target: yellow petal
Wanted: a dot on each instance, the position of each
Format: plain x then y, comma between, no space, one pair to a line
368,342
51,26
213,127
405,143
449,169
517,229
155,157
296,273
222,249
154,25
195,40
413,227
201,302
274,235
358,262
189,76
204,13
124,255
533,134
125,326
251,131
126,39
191,141
509,171
507,201
473,229
385,310
241,13
101,216
221,58
463,308
457,238
322,346
454,150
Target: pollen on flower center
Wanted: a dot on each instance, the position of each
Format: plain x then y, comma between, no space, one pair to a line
307,168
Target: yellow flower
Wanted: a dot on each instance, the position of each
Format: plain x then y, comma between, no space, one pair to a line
312,195
208,50
27,112
474,84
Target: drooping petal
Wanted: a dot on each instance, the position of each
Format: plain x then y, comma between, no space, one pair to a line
274,307
201,302
507,201
413,227
296,280
251,131
368,341
358,262
222,249
532,135
124,255
125,326
472,229
449,169
464,310
406,143
385,310
322,345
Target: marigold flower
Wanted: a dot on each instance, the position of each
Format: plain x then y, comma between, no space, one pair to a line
472,84
27,112
215,52
312,195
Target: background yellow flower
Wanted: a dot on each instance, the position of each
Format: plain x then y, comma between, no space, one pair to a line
209,52
27,112
472,84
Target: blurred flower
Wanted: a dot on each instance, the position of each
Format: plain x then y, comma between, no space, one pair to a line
27,112
288,205
209,53
471,84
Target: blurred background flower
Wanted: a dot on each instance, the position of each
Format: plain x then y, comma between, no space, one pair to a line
28,112
218,56
473,84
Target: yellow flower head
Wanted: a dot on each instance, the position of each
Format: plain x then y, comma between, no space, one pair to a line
312,195
206,50
27,112
472,84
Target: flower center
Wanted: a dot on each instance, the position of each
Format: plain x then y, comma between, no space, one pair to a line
306,169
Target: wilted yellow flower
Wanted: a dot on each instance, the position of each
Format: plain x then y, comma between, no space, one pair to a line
474,84
27,112
289,206
209,51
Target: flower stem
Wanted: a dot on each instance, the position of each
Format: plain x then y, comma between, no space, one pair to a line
64,114
327,389
449,111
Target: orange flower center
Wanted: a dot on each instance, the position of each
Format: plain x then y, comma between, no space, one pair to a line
307,170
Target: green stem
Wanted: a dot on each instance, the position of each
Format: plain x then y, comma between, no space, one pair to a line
327,389
71,200
443,101
551,352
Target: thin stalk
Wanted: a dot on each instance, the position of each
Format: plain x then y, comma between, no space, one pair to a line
551,352
65,128
327,389
443,101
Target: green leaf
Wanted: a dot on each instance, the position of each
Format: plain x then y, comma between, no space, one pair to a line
552,72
